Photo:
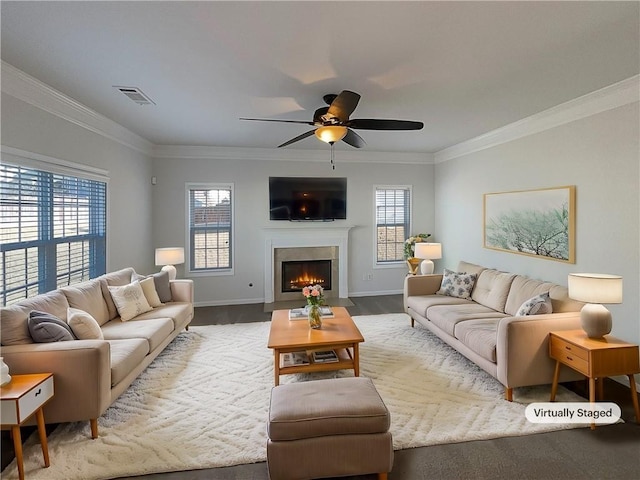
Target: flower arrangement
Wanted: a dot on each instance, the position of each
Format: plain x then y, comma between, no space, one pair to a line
314,294
409,244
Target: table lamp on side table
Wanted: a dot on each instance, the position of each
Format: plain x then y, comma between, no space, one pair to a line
168,257
595,289
428,252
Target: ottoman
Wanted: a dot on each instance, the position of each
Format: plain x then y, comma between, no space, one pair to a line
328,428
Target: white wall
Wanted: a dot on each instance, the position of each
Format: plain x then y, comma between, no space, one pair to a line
250,178
129,192
600,156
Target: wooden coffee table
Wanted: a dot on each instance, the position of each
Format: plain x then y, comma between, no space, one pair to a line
338,333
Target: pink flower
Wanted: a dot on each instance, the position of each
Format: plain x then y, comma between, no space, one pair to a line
305,291
315,293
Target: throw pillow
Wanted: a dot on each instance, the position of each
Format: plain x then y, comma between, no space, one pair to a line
130,300
538,305
46,328
457,284
84,326
161,282
163,288
150,293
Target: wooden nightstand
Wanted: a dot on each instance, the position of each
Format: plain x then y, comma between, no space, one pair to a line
24,396
596,359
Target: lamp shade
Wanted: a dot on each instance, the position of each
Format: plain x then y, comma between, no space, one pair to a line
331,133
595,287
428,251
169,256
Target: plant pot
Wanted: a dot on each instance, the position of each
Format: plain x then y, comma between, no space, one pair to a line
414,264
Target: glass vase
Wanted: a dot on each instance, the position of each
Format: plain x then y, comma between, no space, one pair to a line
315,317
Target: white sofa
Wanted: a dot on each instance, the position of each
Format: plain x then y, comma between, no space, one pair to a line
485,328
89,375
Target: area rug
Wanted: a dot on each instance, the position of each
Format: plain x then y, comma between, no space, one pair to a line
203,403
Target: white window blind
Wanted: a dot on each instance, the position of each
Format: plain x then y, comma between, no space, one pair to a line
393,217
210,227
53,230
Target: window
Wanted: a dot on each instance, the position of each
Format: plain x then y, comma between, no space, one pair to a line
393,216
210,227
53,230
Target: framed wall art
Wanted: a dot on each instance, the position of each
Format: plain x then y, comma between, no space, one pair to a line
539,223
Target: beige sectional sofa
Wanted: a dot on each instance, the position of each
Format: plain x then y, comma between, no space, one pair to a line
485,328
90,374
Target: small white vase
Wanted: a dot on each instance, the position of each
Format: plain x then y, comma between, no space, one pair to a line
4,372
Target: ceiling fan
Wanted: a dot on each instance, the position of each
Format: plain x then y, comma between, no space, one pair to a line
333,124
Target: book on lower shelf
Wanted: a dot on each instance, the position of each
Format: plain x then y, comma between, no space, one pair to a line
324,356
303,313
292,359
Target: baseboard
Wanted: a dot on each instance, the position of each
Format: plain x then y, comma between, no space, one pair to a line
248,301
375,294
222,303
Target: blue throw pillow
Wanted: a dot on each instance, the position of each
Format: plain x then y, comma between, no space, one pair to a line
46,328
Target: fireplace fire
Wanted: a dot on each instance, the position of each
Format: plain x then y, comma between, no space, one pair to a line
300,273
294,268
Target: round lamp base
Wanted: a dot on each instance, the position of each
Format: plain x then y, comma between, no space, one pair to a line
171,270
596,320
426,267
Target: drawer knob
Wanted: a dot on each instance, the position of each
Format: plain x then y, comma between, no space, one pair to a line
569,358
38,392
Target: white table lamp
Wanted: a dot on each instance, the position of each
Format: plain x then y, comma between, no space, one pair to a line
427,251
168,257
595,289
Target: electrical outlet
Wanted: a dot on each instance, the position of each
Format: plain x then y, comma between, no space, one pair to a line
369,276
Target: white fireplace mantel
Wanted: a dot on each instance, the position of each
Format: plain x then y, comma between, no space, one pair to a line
307,235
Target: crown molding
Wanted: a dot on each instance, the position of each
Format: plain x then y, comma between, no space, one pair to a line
607,98
24,87
292,155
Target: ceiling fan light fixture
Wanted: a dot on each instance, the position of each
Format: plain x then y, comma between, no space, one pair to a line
331,133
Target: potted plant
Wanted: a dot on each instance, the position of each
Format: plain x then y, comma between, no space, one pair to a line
409,251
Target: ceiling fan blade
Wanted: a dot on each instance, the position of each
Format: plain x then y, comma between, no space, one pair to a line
381,124
275,120
344,105
298,138
353,139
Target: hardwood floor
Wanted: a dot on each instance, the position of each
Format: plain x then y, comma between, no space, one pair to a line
607,452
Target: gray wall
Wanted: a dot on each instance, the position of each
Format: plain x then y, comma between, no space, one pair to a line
129,192
597,154
250,178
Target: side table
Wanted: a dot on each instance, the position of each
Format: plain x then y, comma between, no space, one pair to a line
22,397
596,358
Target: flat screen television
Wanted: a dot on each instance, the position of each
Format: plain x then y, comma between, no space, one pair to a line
305,198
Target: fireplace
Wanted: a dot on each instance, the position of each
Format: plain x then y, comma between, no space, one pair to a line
298,274
298,267
311,241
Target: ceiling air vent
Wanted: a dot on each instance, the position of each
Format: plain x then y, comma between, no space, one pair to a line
135,94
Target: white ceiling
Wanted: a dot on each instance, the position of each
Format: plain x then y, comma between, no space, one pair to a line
462,68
